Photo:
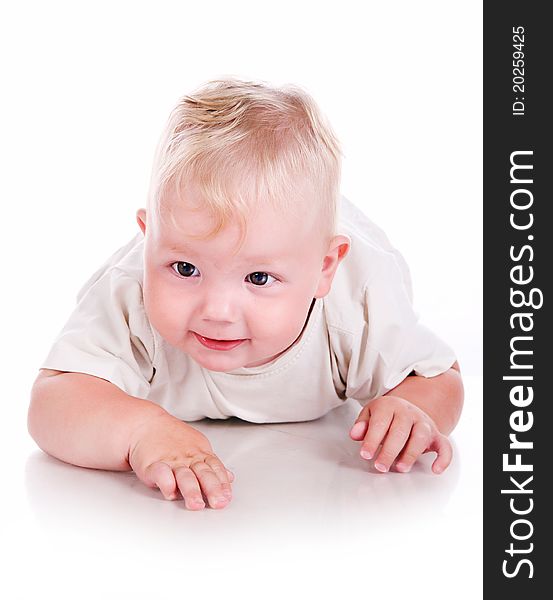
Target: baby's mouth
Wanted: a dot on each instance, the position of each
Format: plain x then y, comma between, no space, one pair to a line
215,344
218,339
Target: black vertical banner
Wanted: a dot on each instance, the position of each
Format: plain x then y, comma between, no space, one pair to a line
518,267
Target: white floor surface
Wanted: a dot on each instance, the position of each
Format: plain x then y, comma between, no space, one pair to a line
309,516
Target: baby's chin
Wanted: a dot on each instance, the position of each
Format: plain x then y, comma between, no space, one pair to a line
219,364
224,361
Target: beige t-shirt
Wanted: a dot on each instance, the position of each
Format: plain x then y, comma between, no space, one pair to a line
360,341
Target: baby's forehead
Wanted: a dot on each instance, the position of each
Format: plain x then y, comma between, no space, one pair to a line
265,235
199,219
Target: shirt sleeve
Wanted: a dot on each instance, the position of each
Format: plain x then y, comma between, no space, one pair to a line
392,342
108,335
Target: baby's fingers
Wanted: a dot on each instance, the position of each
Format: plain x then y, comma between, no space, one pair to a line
222,474
160,474
396,438
210,483
442,446
377,429
418,442
189,488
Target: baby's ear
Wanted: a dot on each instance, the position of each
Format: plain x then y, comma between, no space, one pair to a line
339,247
141,219
343,243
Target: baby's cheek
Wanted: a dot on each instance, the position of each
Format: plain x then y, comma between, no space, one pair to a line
280,322
168,314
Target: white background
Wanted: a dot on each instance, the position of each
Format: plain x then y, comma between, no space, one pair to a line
87,87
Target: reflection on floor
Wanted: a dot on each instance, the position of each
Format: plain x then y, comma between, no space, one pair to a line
305,505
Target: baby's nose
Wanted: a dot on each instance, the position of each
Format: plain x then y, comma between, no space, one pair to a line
221,306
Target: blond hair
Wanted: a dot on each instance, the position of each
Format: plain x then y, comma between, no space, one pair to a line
245,145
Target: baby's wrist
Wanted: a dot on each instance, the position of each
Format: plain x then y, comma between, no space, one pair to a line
151,416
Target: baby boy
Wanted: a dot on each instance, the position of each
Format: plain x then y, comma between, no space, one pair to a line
252,290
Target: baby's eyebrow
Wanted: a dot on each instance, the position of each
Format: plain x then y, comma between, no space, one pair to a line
258,260
178,248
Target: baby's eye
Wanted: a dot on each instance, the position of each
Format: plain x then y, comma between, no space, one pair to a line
260,278
184,269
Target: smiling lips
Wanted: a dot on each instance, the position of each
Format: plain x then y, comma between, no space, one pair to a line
217,344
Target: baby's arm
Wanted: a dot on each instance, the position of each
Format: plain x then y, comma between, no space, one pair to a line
90,422
441,397
413,418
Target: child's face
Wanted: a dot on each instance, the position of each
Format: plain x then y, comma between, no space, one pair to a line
260,295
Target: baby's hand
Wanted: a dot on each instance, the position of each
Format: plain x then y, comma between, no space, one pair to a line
173,456
405,432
